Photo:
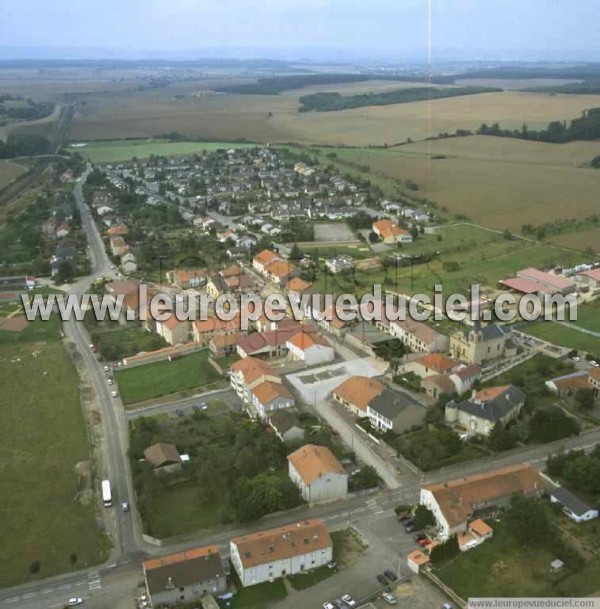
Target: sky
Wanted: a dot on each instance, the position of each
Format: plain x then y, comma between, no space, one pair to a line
457,29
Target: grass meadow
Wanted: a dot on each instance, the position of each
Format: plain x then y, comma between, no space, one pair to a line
150,381
122,150
42,439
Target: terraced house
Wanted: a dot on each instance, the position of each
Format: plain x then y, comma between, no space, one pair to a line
268,555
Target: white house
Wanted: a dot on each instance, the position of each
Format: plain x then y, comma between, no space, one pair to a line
318,474
268,397
573,506
288,550
310,348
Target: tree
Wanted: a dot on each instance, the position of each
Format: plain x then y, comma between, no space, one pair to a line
373,237
549,424
423,517
296,253
527,520
585,398
445,551
596,162
367,477
414,231
500,439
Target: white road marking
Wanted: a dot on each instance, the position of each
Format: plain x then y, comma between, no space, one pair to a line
13,599
29,595
47,591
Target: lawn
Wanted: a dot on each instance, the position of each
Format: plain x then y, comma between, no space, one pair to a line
162,378
37,330
563,336
42,440
177,510
118,342
122,150
10,171
588,316
500,567
467,256
260,596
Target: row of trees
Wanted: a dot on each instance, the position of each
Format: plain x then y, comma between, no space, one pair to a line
586,127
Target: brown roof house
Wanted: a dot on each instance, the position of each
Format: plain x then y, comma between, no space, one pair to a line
288,550
318,474
356,392
185,577
456,503
163,457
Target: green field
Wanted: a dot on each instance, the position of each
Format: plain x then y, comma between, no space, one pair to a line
122,150
563,336
162,378
462,256
502,567
588,316
176,510
42,439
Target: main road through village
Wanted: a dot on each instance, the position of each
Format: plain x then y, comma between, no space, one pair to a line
114,583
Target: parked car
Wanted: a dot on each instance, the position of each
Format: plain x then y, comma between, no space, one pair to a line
125,506
390,575
72,602
382,580
340,604
204,406
106,369
410,527
424,542
109,382
332,565
594,363
114,394
179,412
348,600
576,358
419,536
447,606
390,599
404,516
328,605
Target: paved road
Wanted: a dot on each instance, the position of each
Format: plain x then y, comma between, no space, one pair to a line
227,396
125,525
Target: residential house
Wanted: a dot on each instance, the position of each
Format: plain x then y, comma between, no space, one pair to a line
430,364
570,383
173,330
64,255
269,396
249,372
339,264
457,502
163,457
392,411
456,382
261,261
481,344
389,232
205,330
128,263
356,392
286,425
271,343
296,287
573,506
224,344
418,336
117,229
280,272
591,278
318,474
185,577
310,348
267,555
118,246
486,408
187,278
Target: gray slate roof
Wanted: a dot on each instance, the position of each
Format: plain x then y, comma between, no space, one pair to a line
574,503
495,409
